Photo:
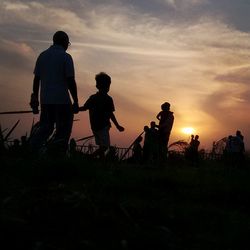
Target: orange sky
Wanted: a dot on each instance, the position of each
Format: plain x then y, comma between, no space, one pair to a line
196,59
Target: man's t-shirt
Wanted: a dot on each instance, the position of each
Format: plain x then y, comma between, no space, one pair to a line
100,108
53,66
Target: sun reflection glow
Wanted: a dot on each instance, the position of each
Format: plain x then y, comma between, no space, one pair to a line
188,130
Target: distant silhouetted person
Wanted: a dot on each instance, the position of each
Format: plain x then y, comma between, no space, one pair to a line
194,149
241,137
234,150
151,143
101,111
194,144
154,134
137,150
166,120
55,76
192,139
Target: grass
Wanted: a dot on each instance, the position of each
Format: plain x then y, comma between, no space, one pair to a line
83,204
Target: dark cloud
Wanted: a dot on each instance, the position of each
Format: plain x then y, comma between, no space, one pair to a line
15,57
235,12
241,75
228,108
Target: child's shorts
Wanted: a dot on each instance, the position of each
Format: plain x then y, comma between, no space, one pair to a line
102,137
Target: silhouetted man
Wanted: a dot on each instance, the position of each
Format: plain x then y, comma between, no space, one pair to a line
55,76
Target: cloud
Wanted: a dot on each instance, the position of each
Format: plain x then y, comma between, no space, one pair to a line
39,17
199,63
15,56
184,4
240,75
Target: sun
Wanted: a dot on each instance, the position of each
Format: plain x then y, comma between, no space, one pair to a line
188,130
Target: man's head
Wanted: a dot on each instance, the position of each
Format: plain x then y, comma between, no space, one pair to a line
61,38
103,81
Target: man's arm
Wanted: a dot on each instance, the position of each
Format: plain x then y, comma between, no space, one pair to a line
72,88
36,84
113,119
73,91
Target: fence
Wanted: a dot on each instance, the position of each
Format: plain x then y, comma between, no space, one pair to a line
118,152
125,153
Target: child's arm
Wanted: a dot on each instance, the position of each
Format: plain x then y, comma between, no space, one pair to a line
86,105
82,108
113,119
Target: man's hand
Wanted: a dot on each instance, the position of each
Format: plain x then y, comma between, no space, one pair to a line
34,104
75,107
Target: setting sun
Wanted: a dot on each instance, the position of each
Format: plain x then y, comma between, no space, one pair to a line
188,130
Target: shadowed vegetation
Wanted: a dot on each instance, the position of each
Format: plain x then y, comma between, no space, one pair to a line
83,204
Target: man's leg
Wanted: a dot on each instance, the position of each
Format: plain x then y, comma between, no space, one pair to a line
64,123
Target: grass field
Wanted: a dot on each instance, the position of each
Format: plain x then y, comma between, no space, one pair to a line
83,204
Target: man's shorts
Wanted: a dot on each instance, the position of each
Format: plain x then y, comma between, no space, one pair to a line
102,137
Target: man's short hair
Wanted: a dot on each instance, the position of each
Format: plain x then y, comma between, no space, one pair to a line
60,38
103,80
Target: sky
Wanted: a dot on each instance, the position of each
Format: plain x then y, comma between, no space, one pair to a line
194,54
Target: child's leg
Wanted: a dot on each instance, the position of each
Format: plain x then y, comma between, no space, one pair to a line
102,139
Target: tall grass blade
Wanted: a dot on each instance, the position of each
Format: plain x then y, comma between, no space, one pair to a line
10,132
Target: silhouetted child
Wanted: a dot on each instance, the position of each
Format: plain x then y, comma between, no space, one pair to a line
154,134
101,111
137,150
166,120
150,147
192,139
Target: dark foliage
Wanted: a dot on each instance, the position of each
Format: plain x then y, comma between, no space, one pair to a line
85,204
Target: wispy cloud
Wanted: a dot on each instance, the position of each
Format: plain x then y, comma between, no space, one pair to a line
184,3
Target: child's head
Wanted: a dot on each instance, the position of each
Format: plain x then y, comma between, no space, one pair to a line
103,81
139,139
165,106
152,124
146,128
